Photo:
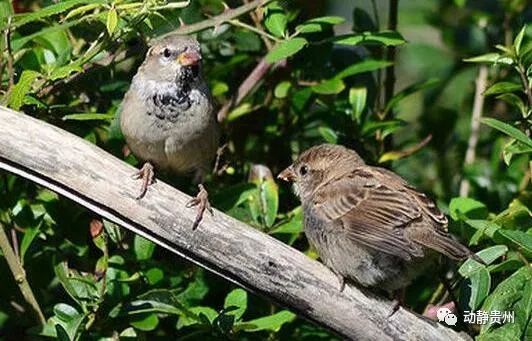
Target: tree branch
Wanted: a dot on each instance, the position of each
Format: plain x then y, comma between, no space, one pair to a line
93,178
254,77
219,19
478,105
20,275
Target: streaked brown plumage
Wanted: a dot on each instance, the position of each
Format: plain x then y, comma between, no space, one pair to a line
367,223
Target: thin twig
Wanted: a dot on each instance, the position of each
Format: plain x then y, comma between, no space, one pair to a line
20,275
526,83
238,23
258,24
247,86
219,19
10,67
14,242
478,105
389,82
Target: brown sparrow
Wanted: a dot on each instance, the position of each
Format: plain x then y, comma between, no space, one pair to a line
367,224
167,114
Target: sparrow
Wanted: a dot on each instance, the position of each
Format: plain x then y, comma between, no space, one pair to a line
368,225
168,117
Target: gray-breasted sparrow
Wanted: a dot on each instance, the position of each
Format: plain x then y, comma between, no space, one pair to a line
367,223
167,114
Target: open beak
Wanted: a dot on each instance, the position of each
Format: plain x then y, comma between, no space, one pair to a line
287,175
189,58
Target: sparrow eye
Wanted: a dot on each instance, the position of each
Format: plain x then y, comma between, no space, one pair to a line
303,170
167,53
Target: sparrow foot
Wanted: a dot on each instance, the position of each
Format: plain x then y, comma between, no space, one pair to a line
341,280
147,174
398,301
202,202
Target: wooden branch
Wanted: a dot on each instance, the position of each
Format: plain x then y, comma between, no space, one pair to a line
93,178
227,15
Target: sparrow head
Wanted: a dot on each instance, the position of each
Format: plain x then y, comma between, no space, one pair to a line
318,165
174,59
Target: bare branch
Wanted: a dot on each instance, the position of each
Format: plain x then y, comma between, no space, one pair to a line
478,105
20,275
219,19
95,179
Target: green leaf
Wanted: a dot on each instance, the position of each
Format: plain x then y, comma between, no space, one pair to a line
476,288
64,71
317,24
21,89
81,10
219,88
492,57
238,298
30,233
488,255
466,208
329,87
328,134
88,117
518,40
521,239
60,7
61,333
276,19
201,314
387,127
409,91
484,227
514,147
387,38
281,89
154,276
514,100
286,49
112,21
357,99
145,322
510,293
65,312
271,323
508,130
143,248
247,41
329,20
293,226
265,201
502,87
363,66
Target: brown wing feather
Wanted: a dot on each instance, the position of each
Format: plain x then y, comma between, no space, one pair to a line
374,213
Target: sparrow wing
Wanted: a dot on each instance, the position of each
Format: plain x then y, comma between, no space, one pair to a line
373,208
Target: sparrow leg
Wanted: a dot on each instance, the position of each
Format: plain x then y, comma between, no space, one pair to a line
398,301
341,280
147,174
202,202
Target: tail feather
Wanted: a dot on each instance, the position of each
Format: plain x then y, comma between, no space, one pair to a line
448,246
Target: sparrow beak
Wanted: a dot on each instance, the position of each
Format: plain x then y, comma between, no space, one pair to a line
287,175
189,58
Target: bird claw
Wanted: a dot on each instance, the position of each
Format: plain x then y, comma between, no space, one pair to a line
398,301
341,280
147,174
202,202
